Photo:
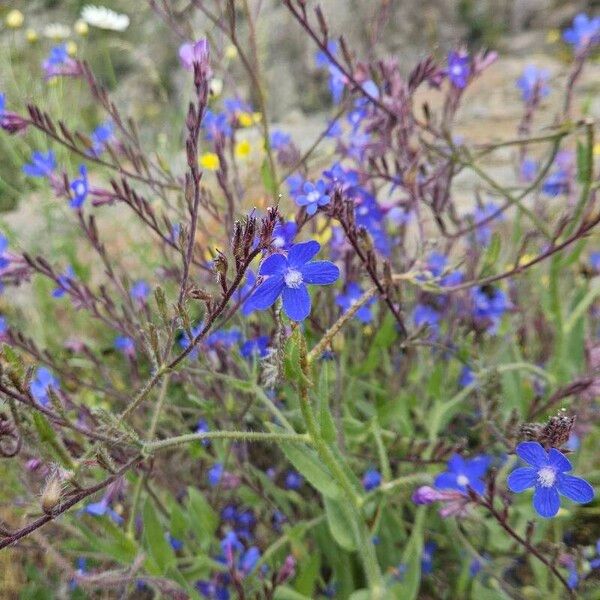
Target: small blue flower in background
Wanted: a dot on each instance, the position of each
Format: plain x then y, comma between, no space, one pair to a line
533,83
4,259
424,314
462,473
583,33
466,377
140,291
547,474
347,179
349,299
489,304
248,560
258,346
371,479
99,509
202,427
216,125
459,69
101,136
475,567
80,188
279,139
284,234
427,557
483,215
215,473
3,327
529,169
337,80
595,261
63,282
314,195
174,542
293,480
125,345
295,182
41,164
42,381
287,277
557,183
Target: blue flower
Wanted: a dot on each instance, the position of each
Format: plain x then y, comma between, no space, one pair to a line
284,234
258,346
125,345
99,509
287,277
248,560
371,479
595,261
427,557
101,136
483,220
313,196
4,259
63,282
459,69
175,543
557,183
462,473
547,474
216,125
279,139
202,427
529,169
347,300
41,165
466,377
424,314
80,188
215,473
293,480
295,182
489,304
533,83
140,290
346,178
337,80
41,383
584,32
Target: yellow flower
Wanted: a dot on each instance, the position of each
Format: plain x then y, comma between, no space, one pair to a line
257,117
243,149
553,36
597,149
525,259
14,19
209,161
81,27
71,48
231,52
31,35
245,119
323,231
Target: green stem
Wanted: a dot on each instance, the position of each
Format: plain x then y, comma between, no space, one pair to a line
242,436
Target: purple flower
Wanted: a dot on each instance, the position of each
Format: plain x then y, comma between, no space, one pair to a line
194,52
313,196
459,69
41,165
533,83
547,474
80,188
583,33
293,480
41,384
59,63
10,121
287,277
349,299
463,473
258,346
371,479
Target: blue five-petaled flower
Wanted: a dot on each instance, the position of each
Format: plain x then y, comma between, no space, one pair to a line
287,276
463,474
547,474
313,196
80,188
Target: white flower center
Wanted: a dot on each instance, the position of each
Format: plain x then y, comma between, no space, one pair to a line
293,278
546,476
313,196
456,70
278,241
80,189
462,480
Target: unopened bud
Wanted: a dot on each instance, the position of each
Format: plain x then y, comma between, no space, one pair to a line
51,494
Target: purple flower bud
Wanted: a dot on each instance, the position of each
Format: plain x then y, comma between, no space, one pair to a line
194,52
426,495
287,571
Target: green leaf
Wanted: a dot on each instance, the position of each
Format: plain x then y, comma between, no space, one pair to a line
340,522
201,515
154,539
383,339
583,164
306,462
491,255
113,542
267,177
308,572
283,592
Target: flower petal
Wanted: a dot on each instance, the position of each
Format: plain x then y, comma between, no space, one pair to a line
300,254
273,265
320,272
546,501
447,481
559,460
477,466
575,488
532,453
296,302
265,294
521,479
457,464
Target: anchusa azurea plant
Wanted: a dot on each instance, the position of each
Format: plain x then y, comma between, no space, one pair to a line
239,364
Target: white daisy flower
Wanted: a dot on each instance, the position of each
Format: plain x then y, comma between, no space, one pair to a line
104,18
